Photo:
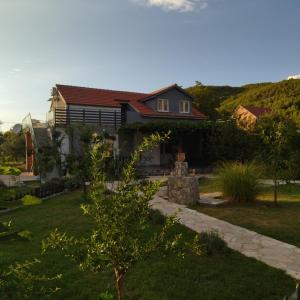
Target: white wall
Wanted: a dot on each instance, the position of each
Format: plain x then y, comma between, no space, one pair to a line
151,157
65,145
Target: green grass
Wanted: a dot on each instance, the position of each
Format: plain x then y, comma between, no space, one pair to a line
207,185
232,276
281,222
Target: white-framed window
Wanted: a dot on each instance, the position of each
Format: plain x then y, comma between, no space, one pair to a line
184,106
163,105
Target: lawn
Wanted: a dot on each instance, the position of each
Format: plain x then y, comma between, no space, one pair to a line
229,276
281,222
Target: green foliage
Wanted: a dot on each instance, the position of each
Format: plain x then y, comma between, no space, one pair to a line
31,200
12,147
26,235
19,282
208,98
239,182
211,243
8,233
48,156
280,148
10,171
106,296
220,101
282,97
79,160
220,140
121,219
45,160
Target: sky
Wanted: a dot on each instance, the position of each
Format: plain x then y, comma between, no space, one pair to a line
140,45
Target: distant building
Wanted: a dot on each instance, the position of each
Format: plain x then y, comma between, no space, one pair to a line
247,116
17,128
294,77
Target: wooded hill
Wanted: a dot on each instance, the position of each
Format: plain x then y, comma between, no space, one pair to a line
220,101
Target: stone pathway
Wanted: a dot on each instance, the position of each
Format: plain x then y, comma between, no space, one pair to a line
270,251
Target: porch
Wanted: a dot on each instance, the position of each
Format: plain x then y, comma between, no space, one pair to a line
161,159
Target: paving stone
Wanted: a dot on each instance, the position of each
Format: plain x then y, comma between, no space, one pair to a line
268,250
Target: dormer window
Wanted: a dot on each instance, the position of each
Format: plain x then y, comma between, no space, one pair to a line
184,107
163,105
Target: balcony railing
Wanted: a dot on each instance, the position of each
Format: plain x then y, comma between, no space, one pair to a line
84,116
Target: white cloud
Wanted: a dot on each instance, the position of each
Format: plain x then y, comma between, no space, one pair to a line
15,71
175,5
294,77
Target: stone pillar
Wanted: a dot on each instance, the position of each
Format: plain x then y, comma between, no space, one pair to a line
182,188
181,168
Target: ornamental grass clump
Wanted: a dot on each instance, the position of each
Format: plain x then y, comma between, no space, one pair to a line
239,182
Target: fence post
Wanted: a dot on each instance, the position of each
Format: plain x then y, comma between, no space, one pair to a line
115,115
83,116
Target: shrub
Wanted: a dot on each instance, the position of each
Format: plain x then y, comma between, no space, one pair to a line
72,183
210,243
31,200
239,182
25,235
10,171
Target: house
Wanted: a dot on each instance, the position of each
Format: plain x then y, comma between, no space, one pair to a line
110,110
247,116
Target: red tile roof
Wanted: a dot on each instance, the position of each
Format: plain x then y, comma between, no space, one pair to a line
258,111
91,96
100,97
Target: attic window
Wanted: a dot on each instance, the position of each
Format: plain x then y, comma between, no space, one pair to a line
163,105
184,107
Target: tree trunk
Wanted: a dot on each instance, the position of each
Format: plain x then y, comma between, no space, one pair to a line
120,283
275,191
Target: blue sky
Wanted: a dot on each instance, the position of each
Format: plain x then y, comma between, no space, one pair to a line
140,45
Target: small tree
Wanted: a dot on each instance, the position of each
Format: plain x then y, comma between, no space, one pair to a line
280,140
79,160
121,220
46,161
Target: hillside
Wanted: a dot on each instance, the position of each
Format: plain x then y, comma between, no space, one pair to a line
209,98
220,101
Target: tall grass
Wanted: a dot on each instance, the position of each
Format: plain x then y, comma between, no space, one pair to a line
239,182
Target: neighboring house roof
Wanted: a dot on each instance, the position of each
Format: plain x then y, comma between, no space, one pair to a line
17,128
110,98
257,111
